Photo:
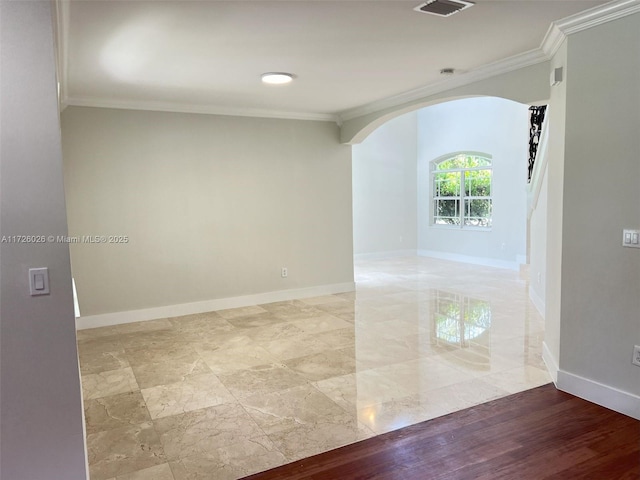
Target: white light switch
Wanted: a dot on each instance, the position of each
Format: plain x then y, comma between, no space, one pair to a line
631,238
39,281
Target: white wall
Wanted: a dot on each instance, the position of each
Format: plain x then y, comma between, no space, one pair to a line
489,125
538,246
384,189
525,85
555,195
41,432
600,304
213,206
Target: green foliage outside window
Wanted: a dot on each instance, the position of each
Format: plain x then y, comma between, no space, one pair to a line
459,320
462,191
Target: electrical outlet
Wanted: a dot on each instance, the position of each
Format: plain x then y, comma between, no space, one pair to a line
285,272
636,355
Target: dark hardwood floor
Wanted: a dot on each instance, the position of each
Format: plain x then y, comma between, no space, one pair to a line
537,434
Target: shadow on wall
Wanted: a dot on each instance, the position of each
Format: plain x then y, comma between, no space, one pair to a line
393,183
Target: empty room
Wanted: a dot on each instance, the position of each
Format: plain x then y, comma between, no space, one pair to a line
320,239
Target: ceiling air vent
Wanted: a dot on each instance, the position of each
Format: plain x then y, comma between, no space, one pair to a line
443,8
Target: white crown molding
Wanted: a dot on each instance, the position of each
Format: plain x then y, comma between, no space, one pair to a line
554,37
598,15
510,64
200,109
61,14
559,30
552,40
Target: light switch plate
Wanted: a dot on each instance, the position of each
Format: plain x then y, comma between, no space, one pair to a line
631,238
39,281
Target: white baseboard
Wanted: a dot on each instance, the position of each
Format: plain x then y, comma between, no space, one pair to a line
603,395
383,255
118,318
537,301
550,362
455,257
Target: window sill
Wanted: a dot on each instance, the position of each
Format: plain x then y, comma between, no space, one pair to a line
460,229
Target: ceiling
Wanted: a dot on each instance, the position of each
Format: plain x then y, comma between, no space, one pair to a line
208,55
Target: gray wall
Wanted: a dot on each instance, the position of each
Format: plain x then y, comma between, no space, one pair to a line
600,313
384,188
41,432
493,126
213,206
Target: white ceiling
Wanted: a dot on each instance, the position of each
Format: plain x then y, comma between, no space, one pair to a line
209,55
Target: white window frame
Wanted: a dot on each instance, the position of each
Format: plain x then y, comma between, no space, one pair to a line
461,196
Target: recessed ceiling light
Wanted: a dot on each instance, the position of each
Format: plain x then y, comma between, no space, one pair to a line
277,78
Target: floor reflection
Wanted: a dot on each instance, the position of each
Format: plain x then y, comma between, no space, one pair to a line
463,324
228,393
433,337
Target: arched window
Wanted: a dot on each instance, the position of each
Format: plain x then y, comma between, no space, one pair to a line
462,190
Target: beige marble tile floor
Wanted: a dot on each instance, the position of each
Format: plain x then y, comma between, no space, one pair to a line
225,394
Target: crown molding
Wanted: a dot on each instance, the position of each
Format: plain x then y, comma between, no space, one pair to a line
556,34
61,14
561,29
516,62
199,109
61,25
598,15
552,40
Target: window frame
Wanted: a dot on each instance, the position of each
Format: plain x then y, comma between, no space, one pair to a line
461,197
